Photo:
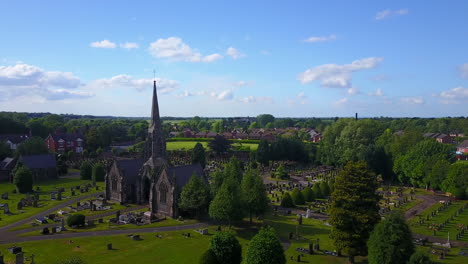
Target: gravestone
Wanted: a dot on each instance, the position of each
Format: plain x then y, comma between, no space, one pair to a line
52,196
45,231
97,188
54,230
117,214
5,196
100,220
19,258
32,259
109,246
72,193
78,204
20,205
6,209
35,203
2,261
308,213
59,196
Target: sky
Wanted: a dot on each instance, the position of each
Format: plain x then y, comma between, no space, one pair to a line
235,58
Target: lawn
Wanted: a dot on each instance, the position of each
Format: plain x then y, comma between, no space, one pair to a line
188,145
44,198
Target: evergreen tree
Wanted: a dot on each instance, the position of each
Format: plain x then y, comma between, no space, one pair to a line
316,190
263,152
324,189
420,257
195,196
226,248
227,204
287,201
98,172
86,171
281,173
354,209
308,194
391,241
198,155
233,169
23,180
297,197
219,144
254,193
265,247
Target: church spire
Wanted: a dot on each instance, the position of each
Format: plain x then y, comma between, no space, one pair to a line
155,107
156,143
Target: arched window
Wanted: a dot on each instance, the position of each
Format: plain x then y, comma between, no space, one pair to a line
163,193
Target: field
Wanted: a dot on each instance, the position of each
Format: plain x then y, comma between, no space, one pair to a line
188,145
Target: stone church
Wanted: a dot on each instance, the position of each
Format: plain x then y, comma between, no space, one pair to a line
150,180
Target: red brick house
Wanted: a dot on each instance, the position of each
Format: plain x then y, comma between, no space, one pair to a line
439,137
463,147
65,142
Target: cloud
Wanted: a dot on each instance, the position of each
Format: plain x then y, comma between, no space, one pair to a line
379,77
256,99
455,95
173,48
463,71
105,44
265,52
300,98
340,102
129,45
378,92
353,91
234,53
338,76
390,13
320,39
126,81
412,100
223,95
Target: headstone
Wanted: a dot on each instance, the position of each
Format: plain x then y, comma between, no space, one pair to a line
20,205
59,196
32,259
2,261
6,209
109,246
298,258
72,193
117,214
308,213
35,203
45,231
100,220
311,248
54,230
19,258
52,196
5,196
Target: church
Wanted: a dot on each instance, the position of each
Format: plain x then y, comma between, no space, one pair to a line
151,180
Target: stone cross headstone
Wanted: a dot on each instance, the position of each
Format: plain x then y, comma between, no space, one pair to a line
19,258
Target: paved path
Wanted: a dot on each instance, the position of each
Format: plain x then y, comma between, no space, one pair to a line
48,211
432,239
102,233
427,201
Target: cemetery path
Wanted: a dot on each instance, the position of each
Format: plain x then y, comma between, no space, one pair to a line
441,240
427,201
6,240
92,217
48,211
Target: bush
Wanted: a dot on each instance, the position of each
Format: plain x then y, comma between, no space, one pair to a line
297,197
23,180
281,173
226,248
76,220
208,258
99,172
324,189
287,201
316,190
308,194
265,247
86,171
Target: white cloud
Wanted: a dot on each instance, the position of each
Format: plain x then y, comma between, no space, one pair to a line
353,91
334,75
234,53
129,45
223,95
412,100
389,13
105,44
173,48
340,102
300,98
464,71
256,99
453,96
320,39
126,81
378,92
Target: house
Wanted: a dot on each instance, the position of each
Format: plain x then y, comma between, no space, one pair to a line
456,134
6,168
42,166
188,133
211,134
13,140
462,148
254,135
241,135
200,134
314,136
65,142
439,137
227,135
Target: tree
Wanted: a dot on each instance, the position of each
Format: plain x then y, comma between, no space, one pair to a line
316,190
287,201
98,172
218,126
354,209
198,155
420,257
391,241
263,152
219,144
324,189
437,173
233,169
195,196
456,181
254,193
297,197
265,119
86,170
208,258
5,150
308,194
76,220
33,146
226,248
281,173
265,247
23,180
227,204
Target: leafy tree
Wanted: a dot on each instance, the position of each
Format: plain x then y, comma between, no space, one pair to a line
254,125
226,248
324,189
316,190
5,150
287,201
76,220
254,193
420,257
391,241
98,172
354,209
33,146
263,152
308,194
86,171
265,247
208,258
23,180
265,119
281,173
233,169
70,154
457,180
437,172
297,197
227,204
195,196
331,184
216,180
218,126
198,155
219,144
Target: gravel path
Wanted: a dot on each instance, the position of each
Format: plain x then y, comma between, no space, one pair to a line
427,201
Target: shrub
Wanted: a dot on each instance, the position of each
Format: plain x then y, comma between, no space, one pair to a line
86,171
265,247
226,248
76,220
23,180
99,172
297,197
287,201
208,258
308,194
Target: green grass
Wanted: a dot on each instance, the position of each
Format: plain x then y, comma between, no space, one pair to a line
439,218
44,194
188,145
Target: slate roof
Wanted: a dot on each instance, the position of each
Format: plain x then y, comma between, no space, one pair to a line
464,144
42,161
183,173
130,169
67,137
15,139
5,163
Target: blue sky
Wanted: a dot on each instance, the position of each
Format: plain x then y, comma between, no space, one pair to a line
235,58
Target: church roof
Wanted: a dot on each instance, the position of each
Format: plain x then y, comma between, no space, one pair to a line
41,161
183,173
130,168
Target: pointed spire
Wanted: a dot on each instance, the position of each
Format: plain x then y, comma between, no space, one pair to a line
155,106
